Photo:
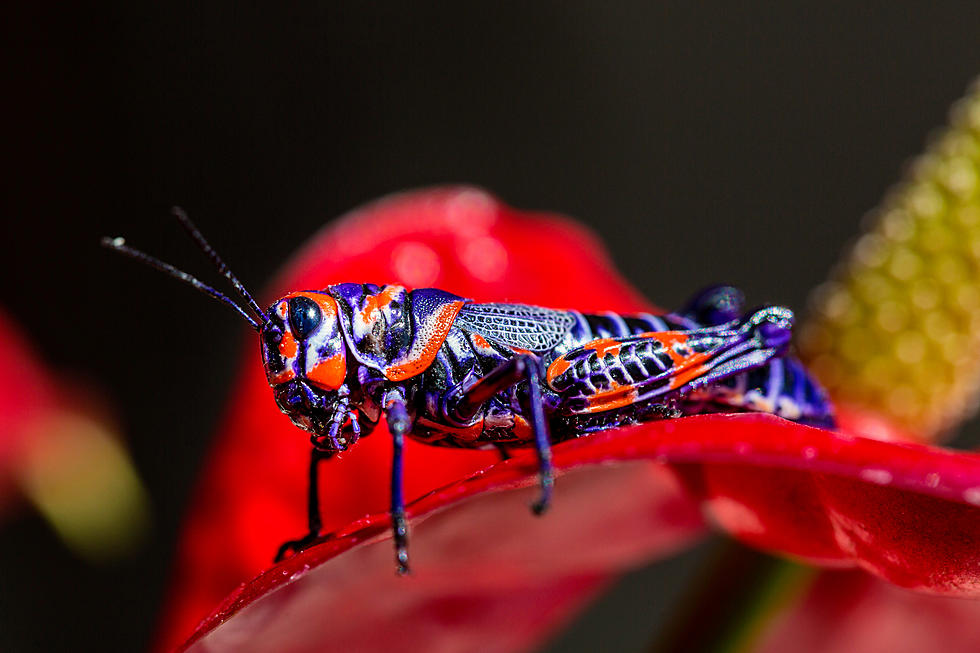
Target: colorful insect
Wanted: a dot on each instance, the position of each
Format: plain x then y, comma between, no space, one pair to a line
451,372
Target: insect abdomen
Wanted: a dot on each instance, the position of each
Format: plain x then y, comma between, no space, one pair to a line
783,388
592,326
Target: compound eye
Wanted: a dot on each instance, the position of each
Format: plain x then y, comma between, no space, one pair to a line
304,316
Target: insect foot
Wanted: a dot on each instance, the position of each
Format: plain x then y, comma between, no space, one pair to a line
295,546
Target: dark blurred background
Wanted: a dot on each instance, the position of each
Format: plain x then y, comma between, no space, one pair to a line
703,142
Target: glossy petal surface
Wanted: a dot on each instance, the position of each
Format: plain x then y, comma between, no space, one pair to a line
908,513
487,575
914,530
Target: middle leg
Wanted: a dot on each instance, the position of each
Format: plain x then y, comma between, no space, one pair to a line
523,367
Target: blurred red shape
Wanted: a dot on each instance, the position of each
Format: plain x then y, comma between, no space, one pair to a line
59,451
847,611
26,394
908,513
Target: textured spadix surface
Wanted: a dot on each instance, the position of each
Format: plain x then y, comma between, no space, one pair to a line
897,328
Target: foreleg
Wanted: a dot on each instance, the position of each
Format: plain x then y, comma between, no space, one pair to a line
314,520
324,447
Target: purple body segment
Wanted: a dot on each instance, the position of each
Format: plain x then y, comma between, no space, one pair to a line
391,330
457,363
743,369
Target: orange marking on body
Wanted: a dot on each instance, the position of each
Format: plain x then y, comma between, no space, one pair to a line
521,350
616,397
282,377
670,339
556,369
329,373
604,347
376,302
686,368
288,345
687,376
479,341
418,361
522,430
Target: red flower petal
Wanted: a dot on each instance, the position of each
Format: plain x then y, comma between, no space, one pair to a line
905,512
848,611
481,563
25,394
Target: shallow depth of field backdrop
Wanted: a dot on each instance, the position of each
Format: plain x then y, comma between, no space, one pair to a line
703,142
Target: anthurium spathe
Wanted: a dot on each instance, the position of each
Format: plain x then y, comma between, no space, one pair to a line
905,512
476,544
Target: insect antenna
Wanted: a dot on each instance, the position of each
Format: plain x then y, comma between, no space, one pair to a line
119,245
205,246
